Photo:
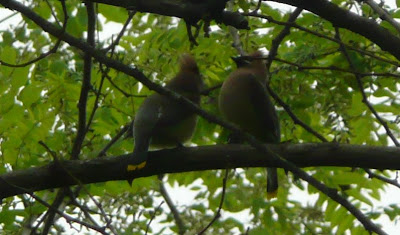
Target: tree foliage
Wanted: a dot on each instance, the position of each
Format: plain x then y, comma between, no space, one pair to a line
332,81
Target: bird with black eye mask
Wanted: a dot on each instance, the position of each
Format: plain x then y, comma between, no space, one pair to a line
244,101
163,122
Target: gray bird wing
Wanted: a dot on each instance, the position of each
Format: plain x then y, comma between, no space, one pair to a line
265,109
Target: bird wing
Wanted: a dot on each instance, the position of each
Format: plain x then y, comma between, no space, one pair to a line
265,109
161,111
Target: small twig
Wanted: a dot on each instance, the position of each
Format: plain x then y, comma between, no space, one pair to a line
334,68
53,13
257,7
393,182
52,153
153,216
50,214
85,88
66,191
51,51
218,213
114,139
86,211
126,94
295,119
62,192
67,217
365,98
175,213
207,91
121,33
294,25
8,17
273,52
96,104
102,212
382,13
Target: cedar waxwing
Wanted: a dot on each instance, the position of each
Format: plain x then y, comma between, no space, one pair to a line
244,101
163,122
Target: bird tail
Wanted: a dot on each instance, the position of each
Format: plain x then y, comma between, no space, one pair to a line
138,159
272,183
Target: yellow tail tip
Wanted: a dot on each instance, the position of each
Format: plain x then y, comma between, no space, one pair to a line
271,195
136,167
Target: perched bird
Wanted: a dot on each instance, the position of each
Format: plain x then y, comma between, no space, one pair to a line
163,122
244,101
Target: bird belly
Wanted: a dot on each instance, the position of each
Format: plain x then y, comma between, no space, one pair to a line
237,108
174,135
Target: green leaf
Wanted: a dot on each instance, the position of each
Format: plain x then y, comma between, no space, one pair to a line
8,38
357,107
29,95
349,178
113,13
20,77
359,195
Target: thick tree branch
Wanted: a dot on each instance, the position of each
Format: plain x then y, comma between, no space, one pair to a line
188,10
348,20
214,157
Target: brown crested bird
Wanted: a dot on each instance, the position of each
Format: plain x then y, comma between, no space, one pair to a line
244,101
163,122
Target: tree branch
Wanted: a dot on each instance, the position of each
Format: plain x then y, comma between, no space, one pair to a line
348,20
55,175
364,96
382,13
51,51
87,75
175,213
334,68
153,216
317,34
273,52
192,11
221,202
